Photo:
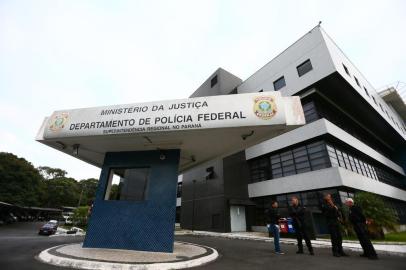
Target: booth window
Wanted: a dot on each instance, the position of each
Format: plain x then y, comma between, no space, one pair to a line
127,184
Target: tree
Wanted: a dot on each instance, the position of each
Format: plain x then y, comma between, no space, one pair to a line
20,182
375,208
51,173
62,191
80,215
88,189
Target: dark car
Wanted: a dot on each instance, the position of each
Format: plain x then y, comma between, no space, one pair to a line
48,229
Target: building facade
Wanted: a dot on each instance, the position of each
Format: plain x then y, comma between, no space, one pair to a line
354,140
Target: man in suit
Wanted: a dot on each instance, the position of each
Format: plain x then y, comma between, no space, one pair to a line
297,213
359,223
333,217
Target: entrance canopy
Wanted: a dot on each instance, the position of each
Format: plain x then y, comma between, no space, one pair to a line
202,128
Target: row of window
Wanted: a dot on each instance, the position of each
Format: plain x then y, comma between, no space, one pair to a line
400,126
316,156
353,163
301,159
313,200
310,199
302,69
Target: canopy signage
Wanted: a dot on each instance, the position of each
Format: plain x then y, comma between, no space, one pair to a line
253,109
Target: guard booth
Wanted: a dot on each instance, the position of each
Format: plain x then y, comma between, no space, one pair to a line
145,146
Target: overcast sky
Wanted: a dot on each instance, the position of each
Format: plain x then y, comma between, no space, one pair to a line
71,54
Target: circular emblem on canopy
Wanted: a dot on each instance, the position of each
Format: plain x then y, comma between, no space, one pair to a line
58,121
264,107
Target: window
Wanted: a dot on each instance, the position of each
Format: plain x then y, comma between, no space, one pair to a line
303,68
132,184
279,83
233,92
213,81
310,112
350,161
374,100
356,80
366,91
346,70
260,169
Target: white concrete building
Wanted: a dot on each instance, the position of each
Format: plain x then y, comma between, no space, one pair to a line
354,140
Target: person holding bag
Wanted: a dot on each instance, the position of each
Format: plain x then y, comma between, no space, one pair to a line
273,217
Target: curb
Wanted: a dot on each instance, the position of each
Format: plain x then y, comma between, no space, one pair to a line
325,244
46,257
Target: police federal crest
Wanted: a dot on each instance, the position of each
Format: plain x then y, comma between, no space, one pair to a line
58,121
265,107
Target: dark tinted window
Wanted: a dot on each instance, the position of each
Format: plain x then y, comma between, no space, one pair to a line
213,81
310,112
366,91
279,83
346,70
356,80
132,184
305,67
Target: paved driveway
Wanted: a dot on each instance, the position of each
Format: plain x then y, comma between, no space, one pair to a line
20,243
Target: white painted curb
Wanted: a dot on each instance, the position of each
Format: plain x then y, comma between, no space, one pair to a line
46,257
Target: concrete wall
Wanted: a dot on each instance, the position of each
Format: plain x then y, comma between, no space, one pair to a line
208,199
310,46
226,82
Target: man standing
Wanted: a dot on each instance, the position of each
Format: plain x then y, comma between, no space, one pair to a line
359,222
273,216
297,213
333,218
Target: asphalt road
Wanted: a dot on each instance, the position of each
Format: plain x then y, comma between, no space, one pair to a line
20,243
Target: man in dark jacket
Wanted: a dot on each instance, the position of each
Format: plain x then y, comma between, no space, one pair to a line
273,218
359,222
334,218
297,213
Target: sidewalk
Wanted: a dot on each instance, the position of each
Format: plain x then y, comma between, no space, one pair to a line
389,248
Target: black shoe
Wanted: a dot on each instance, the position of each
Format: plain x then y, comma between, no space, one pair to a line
311,252
299,252
344,254
336,255
363,255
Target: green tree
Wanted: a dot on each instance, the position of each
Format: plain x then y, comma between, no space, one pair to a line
62,191
80,215
375,209
51,173
88,189
20,182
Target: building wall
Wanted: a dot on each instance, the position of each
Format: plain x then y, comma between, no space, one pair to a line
327,76
203,201
365,89
311,46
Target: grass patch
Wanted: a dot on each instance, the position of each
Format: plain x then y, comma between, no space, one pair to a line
396,237
390,237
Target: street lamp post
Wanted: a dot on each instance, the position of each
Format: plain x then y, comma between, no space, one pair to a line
193,206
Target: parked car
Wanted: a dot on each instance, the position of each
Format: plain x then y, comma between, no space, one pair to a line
48,229
53,221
